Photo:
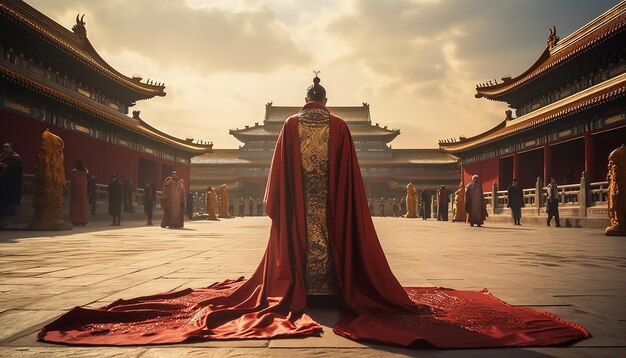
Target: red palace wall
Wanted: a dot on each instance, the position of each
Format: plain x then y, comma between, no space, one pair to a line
487,171
101,158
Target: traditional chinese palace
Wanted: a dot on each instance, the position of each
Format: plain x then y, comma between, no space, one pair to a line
567,111
51,77
385,171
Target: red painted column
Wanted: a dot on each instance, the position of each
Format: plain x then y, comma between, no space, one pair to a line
589,152
515,166
547,162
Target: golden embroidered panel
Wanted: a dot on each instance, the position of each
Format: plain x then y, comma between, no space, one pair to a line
314,132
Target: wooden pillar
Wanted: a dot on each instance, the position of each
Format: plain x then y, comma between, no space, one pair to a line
538,195
494,198
547,162
515,166
582,195
589,152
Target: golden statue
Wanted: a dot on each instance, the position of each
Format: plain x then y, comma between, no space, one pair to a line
617,192
459,204
211,203
48,184
223,208
411,201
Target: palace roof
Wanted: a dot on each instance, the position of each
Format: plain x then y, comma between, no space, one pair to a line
227,157
278,114
50,89
610,90
557,53
356,117
273,131
399,157
412,156
76,45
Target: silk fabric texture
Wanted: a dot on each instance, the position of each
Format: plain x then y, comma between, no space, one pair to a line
271,303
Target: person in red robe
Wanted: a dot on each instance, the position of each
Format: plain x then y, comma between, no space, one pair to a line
346,262
173,202
79,196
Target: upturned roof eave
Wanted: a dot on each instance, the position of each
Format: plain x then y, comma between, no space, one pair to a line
80,48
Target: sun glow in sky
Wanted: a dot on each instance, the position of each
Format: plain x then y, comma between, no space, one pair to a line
415,62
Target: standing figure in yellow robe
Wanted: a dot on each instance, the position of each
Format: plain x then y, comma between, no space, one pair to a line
411,201
223,208
617,192
48,184
211,204
459,204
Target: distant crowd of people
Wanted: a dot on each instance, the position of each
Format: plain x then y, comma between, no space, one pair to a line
176,203
476,210
397,207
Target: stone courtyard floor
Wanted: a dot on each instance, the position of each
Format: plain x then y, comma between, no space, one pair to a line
577,274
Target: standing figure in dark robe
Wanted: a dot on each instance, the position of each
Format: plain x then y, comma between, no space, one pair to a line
10,183
189,207
173,202
115,200
231,208
425,204
259,207
403,206
381,206
242,207
79,194
553,202
322,242
250,207
148,202
91,191
396,208
475,206
370,206
516,201
127,195
442,203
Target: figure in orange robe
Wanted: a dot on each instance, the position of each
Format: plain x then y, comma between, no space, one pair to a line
270,304
79,197
173,202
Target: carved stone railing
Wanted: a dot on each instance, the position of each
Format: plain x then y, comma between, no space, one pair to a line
571,197
599,193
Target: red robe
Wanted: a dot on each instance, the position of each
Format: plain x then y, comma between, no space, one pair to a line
270,304
79,199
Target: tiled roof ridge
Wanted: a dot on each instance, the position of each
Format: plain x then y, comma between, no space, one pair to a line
73,44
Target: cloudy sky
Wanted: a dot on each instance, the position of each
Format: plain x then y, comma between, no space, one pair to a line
416,62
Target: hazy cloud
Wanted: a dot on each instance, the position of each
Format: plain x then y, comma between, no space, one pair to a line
205,39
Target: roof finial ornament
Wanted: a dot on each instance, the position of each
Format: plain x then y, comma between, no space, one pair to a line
553,39
79,28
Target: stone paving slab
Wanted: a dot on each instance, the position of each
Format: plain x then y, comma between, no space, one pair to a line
578,274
